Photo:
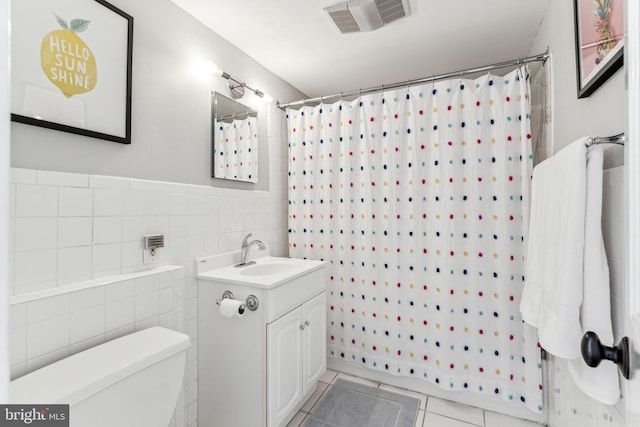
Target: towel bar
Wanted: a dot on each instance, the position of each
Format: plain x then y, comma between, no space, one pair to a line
614,139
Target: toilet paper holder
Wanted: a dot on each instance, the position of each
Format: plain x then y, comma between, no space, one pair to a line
251,302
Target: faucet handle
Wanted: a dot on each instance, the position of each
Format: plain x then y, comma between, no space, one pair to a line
246,238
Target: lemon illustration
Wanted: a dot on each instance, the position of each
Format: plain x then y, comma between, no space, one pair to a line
66,59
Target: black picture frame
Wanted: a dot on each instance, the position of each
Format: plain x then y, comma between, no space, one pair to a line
592,72
115,72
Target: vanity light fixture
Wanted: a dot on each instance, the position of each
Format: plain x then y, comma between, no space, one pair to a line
237,87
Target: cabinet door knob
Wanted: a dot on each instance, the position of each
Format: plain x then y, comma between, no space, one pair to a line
302,327
307,323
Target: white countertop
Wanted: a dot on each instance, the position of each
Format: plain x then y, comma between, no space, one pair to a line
275,270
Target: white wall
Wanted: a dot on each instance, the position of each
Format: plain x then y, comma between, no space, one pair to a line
603,113
171,106
4,190
171,144
79,207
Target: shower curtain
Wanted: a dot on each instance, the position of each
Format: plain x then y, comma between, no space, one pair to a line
236,154
418,199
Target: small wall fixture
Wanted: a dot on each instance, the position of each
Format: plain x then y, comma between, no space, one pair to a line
152,242
237,87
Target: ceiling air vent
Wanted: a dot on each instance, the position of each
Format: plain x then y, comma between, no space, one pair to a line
343,19
366,15
390,10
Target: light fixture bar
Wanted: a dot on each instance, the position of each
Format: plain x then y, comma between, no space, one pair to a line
237,87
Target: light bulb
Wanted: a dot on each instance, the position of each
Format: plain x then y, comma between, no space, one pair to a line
214,69
266,98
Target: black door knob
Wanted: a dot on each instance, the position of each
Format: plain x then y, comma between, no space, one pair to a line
593,352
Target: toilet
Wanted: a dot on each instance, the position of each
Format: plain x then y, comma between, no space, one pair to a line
131,381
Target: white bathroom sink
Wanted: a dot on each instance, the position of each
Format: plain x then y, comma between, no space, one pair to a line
266,269
266,272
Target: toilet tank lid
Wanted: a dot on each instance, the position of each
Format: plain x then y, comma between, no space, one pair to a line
77,377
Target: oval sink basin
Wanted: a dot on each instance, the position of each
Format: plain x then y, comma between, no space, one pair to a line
266,269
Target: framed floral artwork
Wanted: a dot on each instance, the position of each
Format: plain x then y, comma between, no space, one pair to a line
71,66
599,30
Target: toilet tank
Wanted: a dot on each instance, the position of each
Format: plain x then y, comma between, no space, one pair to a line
131,381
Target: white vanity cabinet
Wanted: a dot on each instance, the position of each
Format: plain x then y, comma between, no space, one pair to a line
296,358
258,369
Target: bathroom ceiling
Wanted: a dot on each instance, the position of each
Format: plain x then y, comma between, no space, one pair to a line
297,41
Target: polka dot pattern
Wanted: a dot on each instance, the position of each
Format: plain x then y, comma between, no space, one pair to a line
418,201
236,149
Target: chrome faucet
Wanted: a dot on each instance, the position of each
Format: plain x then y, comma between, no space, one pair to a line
244,250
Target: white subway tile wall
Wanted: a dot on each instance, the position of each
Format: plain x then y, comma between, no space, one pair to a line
49,325
69,229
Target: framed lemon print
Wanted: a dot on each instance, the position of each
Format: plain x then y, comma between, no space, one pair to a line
71,64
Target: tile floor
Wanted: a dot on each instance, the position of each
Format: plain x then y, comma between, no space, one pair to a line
434,412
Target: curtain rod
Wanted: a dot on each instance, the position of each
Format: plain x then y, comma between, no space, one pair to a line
540,57
237,115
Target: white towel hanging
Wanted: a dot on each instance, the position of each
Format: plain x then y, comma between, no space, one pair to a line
566,288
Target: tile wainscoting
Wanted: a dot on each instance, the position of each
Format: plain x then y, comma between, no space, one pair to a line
49,325
77,227
70,232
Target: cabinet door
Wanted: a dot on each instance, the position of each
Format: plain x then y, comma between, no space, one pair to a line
284,366
314,341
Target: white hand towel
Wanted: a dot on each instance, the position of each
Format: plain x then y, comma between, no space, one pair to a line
566,289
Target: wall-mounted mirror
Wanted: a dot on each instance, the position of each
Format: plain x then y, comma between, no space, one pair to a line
235,140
